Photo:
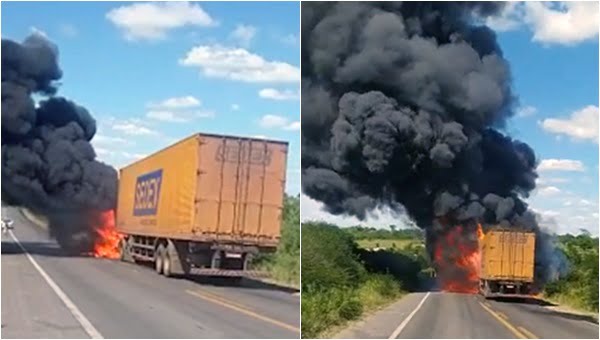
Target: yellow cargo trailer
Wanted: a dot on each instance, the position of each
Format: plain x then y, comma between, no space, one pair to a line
507,263
209,202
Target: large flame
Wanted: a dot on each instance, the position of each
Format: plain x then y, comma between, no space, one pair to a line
107,242
458,259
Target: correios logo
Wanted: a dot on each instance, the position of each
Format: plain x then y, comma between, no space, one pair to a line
147,193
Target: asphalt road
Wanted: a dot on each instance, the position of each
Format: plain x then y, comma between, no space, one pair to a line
464,316
112,299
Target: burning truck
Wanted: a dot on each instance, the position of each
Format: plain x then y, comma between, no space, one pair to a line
498,263
208,202
404,106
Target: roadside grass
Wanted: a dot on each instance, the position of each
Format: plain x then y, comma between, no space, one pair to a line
333,308
342,282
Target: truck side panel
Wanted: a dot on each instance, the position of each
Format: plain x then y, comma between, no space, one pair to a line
239,194
508,255
156,194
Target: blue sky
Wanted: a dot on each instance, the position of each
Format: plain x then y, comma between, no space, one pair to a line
153,73
553,52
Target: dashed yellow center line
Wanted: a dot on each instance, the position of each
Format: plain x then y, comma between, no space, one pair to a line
220,298
244,310
502,315
506,324
528,333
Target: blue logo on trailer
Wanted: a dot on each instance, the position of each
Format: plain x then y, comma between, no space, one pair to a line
147,193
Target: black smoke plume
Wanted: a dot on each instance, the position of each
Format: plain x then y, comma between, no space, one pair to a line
403,105
48,163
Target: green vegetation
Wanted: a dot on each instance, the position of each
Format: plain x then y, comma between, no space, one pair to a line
284,264
340,281
579,288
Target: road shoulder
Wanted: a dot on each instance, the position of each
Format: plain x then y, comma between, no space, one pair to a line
381,323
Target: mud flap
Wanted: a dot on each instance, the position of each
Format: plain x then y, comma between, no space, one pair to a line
178,256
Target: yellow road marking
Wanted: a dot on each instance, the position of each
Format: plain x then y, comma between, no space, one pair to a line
255,315
502,315
504,322
222,299
528,333
487,304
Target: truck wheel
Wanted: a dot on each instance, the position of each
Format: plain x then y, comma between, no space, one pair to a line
166,263
158,258
248,258
215,263
124,253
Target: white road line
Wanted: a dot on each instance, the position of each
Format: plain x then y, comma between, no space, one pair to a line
408,318
83,321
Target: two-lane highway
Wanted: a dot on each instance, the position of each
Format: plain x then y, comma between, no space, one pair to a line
55,296
438,315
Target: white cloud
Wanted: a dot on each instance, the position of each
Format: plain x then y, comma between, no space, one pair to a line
550,180
177,103
100,139
133,156
271,121
293,126
580,125
526,111
68,30
243,34
548,191
275,94
166,116
279,122
36,31
382,217
235,107
152,21
560,165
565,23
568,23
238,64
509,19
178,116
133,129
102,152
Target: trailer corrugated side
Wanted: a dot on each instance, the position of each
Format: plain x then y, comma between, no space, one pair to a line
507,262
210,198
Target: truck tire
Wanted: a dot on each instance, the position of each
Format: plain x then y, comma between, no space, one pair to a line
124,251
167,263
217,260
158,258
248,258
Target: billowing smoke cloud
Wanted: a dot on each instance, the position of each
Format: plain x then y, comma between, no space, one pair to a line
48,163
403,104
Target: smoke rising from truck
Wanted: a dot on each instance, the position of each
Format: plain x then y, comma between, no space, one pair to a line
403,105
48,163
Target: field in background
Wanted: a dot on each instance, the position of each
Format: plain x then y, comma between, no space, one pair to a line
386,244
342,279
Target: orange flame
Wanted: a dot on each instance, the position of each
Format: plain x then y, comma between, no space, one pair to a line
480,233
107,243
458,261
